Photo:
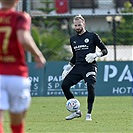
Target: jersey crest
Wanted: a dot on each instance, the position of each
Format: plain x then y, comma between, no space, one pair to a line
86,40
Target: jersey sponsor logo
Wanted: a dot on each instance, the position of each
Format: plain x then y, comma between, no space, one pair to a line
81,47
8,58
86,40
5,20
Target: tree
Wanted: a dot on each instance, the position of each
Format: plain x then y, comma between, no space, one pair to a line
52,44
49,37
125,28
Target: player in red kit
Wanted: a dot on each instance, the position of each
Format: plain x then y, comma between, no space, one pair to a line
15,39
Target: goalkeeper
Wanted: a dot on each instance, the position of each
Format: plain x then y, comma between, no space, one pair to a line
82,65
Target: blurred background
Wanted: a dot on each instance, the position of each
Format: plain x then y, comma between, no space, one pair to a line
52,26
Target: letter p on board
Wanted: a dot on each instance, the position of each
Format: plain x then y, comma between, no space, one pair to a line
110,71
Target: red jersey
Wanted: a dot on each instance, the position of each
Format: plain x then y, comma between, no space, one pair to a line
12,54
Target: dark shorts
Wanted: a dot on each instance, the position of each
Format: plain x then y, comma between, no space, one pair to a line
86,71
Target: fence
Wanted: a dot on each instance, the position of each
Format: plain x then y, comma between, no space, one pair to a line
52,25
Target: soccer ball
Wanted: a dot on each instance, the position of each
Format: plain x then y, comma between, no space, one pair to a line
72,105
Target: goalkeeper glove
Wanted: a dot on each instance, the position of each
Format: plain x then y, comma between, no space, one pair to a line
67,69
91,56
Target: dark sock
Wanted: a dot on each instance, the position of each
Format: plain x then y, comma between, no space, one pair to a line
90,108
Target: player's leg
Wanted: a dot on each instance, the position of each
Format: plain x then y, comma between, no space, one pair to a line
66,84
90,74
17,122
69,81
1,121
4,104
91,97
91,94
19,91
73,77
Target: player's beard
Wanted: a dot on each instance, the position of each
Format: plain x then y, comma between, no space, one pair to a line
79,31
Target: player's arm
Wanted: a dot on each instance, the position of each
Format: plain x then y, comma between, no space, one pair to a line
25,38
98,42
101,45
70,65
73,59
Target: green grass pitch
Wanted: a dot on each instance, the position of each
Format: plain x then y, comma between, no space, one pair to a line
47,115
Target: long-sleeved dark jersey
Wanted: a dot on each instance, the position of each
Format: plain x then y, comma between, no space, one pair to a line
84,44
